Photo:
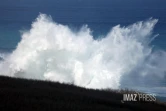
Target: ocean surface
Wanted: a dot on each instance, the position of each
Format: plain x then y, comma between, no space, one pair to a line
90,43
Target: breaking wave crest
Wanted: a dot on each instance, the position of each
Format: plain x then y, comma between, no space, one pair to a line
52,51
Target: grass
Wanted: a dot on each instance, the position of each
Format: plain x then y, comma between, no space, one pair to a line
34,95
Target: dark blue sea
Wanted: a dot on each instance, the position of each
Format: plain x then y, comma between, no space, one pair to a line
90,43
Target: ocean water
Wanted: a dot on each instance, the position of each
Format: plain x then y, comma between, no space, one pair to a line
90,43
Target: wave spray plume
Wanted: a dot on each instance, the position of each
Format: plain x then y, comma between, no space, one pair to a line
51,51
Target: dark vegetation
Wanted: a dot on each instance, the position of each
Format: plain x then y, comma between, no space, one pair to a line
34,95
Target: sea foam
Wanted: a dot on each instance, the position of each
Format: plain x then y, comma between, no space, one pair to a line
52,51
